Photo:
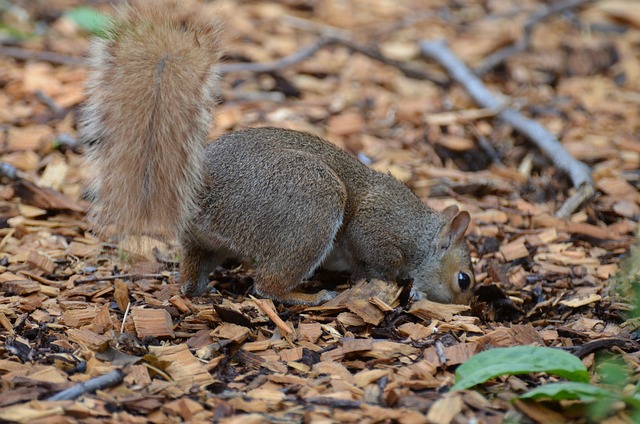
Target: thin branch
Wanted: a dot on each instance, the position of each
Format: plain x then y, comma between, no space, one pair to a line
579,172
275,65
51,57
343,38
522,44
332,402
46,100
94,278
582,195
124,318
256,96
113,378
9,171
374,53
317,28
42,279
273,316
326,40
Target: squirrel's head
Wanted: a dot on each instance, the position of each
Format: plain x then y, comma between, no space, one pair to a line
447,275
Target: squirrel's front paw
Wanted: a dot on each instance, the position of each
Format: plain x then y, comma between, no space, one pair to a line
326,295
417,295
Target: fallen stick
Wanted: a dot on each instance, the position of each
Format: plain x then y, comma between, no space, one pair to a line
327,40
343,38
579,173
113,378
40,56
94,278
273,316
522,44
277,64
374,53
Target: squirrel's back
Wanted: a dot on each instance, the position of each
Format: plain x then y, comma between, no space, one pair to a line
152,84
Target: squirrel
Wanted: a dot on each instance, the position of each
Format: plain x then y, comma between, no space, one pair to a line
288,199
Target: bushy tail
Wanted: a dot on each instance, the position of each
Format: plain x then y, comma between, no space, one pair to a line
151,87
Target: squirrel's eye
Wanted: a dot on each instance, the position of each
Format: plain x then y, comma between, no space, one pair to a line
464,281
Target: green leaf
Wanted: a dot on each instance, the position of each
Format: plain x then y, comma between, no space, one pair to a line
89,19
567,390
633,401
613,371
519,360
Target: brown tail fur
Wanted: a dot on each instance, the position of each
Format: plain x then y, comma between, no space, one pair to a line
151,88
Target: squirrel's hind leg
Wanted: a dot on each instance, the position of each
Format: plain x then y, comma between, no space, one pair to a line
279,277
196,265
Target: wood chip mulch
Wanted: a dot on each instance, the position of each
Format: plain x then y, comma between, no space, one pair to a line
74,308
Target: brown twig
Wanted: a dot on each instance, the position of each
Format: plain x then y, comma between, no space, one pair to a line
113,378
9,171
51,57
116,277
275,65
600,344
522,44
579,172
42,280
332,402
374,53
583,194
326,40
339,37
273,316
46,100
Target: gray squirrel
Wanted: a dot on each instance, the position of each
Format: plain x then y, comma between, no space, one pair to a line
288,199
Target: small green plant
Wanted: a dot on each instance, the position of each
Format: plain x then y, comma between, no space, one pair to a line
626,284
519,360
89,19
612,374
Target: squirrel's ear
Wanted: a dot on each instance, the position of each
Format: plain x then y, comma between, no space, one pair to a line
459,225
454,230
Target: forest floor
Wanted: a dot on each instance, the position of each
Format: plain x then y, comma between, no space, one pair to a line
74,307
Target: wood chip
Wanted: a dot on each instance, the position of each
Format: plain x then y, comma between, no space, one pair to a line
152,322
76,318
427,309
415,331
310,332
88,338
346,124
445,409
517,335
578,302
19,286
236,333
453,355
542,238
183,367
357,299
121,294
362,357
268,309
514,250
